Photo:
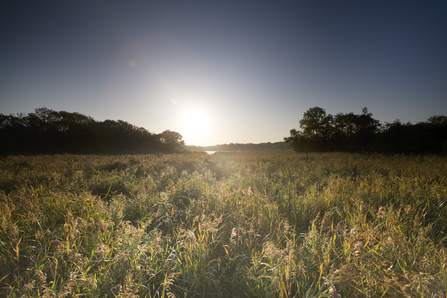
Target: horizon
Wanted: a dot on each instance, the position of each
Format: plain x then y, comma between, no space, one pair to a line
229,143
226,72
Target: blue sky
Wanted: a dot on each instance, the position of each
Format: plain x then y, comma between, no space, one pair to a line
224,71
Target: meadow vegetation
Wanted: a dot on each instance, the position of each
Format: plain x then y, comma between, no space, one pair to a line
268,224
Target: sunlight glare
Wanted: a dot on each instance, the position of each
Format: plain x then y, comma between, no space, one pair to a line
195,126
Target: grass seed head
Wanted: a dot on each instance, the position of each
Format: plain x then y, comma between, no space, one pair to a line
381,212
333,292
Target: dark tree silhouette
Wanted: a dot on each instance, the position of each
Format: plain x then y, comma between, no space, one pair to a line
316,132
354,132
437,119
362,133
421,138
171,141
299,142
46,132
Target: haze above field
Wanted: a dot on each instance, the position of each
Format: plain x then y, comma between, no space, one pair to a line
224,71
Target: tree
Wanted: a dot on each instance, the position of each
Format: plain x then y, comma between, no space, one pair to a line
171,141
355,132
47,132
317,129
315,122
366,129
299,142
437,119
324,132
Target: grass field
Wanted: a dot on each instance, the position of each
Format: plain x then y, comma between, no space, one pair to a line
271,224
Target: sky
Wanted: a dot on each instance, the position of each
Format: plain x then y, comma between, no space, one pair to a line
224,71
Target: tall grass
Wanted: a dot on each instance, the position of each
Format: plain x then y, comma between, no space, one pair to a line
225,225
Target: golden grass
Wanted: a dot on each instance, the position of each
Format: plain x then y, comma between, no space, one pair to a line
271,224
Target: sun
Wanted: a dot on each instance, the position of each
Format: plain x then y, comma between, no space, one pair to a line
195,125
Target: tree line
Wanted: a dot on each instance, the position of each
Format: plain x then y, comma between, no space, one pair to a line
277,146
322,132
50,132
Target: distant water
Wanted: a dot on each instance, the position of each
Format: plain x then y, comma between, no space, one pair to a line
210,152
